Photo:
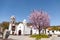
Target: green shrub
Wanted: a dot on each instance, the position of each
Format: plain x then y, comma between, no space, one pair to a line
39,36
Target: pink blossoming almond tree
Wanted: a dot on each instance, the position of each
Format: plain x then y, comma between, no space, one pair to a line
39,19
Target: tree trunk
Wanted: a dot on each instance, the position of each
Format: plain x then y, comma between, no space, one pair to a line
45,31
39,30
31,32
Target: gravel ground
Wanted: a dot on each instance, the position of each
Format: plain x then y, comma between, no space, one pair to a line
21,37
12,37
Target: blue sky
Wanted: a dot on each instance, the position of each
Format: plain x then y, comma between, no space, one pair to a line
21,9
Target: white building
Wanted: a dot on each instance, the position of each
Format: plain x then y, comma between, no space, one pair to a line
21,28
49,31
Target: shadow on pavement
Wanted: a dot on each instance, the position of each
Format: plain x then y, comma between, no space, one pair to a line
10,39
6,39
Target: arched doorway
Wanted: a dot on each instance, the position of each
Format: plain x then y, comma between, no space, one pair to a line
19,32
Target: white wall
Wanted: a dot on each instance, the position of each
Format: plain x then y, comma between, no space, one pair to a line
34,31
20,27
10,29
50,32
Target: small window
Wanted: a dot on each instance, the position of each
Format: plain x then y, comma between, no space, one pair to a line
48,31
13,28
53,31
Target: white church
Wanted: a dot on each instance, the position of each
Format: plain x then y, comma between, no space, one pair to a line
21,28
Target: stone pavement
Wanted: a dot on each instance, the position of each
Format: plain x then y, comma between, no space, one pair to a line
13,37
21,37
54,37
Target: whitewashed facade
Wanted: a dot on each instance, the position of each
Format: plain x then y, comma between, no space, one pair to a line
21,28
52,32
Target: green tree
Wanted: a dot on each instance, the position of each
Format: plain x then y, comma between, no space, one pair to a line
5,25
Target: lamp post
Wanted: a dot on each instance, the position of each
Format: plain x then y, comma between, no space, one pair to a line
31,30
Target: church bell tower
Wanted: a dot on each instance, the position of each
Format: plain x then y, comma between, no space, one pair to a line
12,25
